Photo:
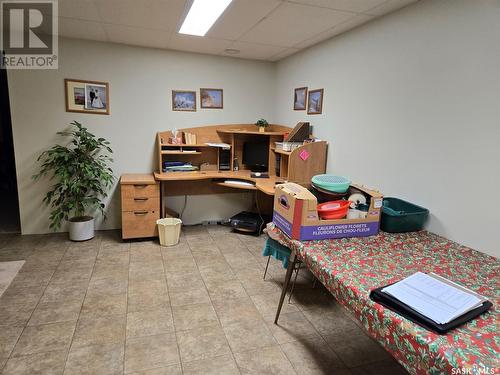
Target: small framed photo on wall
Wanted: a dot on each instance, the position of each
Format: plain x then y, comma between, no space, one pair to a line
299,99
87,96
315,102
211,98
184,101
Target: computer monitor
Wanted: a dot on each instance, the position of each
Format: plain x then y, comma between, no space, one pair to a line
256,155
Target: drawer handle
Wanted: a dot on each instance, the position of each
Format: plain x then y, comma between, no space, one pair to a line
140,186
141,199
140,213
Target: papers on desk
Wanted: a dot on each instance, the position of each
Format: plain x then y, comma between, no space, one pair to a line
224,146
435,297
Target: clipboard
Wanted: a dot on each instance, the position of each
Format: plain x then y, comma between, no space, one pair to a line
406,311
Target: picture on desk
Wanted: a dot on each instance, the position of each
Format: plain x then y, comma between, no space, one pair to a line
184,101
211,98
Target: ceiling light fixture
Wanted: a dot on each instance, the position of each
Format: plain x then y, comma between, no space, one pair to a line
202,15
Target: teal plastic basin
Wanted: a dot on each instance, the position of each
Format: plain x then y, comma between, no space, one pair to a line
331,182
400,216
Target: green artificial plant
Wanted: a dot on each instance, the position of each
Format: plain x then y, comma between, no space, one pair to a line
262,123
82,174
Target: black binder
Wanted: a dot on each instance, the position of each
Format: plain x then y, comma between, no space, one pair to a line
406,311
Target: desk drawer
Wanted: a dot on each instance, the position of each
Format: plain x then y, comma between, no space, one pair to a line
142,203
140,191
140,223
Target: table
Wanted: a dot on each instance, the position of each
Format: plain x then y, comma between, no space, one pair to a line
351,267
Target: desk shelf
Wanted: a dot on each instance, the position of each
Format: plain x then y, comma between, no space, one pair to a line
236,186
178,152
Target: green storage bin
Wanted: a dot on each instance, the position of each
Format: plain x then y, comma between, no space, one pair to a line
400,216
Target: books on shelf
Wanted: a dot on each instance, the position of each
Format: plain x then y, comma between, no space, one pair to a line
178,166
189,138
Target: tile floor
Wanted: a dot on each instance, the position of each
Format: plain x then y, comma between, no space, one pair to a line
201,307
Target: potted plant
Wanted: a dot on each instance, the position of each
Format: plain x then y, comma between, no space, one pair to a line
262,124
82,177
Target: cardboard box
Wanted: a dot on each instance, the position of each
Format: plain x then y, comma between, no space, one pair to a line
295,213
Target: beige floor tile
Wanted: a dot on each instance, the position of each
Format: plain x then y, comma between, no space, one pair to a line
194,316
144,353
267,304
44,338
148,300
8,338
21,296
358,350
314,298
233,310
3,361
168,370
269,360
202,343
50,363
71,276
65,292
180,265
189,297
149,322
189,281
248,335
95,359
223,365
32,279
333,321
106,287
15,314
96,305
211,275
148,284
386,367
291,327
55,312
224,290
100,330
312,356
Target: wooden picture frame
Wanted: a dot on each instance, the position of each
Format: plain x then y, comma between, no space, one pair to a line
300,99
315,102
77,96
214,101
180,101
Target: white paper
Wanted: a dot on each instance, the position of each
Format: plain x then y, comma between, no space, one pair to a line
437,300
224,146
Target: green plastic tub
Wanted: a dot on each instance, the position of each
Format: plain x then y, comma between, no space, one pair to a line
400,216
330,182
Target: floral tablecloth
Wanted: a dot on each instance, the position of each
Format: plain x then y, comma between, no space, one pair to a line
351,267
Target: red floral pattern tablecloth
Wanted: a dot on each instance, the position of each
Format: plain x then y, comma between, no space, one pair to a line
351,267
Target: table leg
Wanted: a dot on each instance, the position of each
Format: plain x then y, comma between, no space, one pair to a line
289,271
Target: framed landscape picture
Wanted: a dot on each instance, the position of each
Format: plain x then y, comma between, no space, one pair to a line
315,102
299,98
184,101
87,96
211,98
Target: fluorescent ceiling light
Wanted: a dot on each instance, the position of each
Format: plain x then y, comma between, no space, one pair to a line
202,15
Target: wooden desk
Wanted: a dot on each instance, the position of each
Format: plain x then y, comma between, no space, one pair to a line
351,267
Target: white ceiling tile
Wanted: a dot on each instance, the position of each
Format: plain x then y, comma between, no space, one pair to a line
81,9
153,14
290,24
138,36
389,6
344,26
358,6
240,16
255,51
198,44
285,53
81,29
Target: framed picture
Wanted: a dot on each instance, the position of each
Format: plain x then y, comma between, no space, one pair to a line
315,102
299,99
87,96
211,98
184,101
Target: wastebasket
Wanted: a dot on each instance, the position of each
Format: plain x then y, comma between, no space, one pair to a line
169,230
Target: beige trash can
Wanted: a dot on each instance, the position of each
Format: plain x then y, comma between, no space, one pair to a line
169,230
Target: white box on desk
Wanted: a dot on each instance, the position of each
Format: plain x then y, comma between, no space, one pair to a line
296,214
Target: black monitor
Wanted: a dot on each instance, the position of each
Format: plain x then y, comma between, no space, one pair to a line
256,155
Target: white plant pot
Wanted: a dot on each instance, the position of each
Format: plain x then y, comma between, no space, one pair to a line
81,228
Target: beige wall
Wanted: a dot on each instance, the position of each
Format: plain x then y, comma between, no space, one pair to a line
140,81
412,108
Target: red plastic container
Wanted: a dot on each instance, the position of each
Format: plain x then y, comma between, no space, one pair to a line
333,209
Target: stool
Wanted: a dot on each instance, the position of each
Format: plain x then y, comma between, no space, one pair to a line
275,249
